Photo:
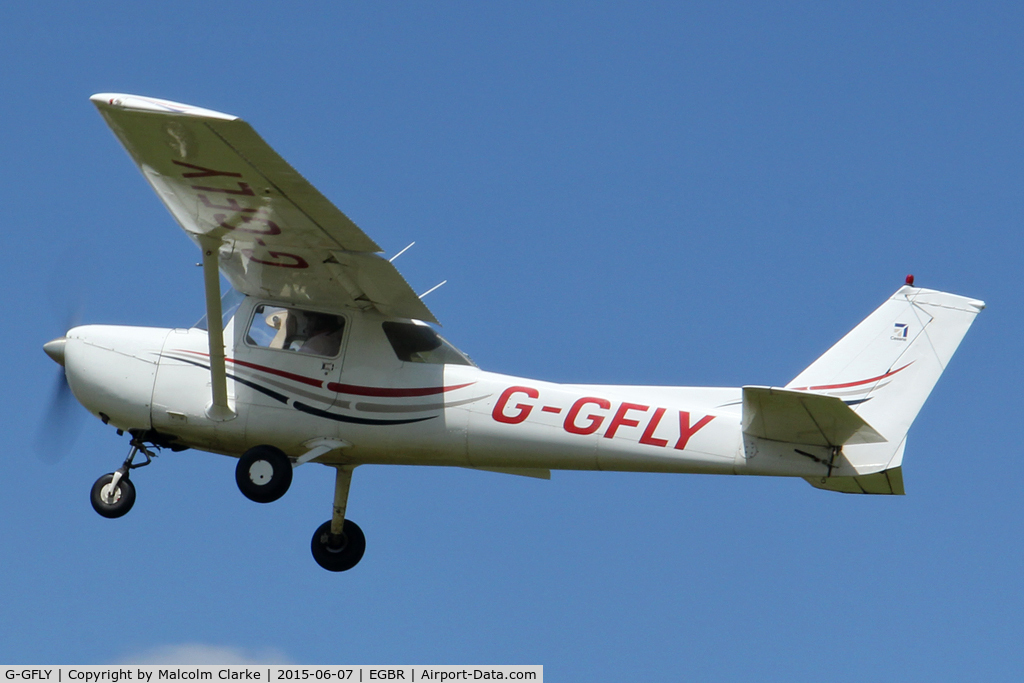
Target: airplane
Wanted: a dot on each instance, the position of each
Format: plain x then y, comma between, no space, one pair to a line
321,352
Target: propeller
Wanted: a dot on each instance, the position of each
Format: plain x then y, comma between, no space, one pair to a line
63,419
61,425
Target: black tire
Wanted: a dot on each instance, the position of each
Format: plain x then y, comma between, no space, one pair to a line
343,557
123,499
263,474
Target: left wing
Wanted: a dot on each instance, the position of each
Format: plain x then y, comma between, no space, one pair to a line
278,236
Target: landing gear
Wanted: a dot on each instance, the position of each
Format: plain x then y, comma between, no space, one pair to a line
113,495
338,545
338,552
263,474
110,498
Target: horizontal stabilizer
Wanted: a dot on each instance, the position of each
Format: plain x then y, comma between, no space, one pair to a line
803,418
886,482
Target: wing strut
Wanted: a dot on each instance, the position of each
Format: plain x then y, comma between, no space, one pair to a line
219,409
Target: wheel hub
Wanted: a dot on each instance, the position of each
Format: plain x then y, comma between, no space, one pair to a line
261,472
334,543
110,494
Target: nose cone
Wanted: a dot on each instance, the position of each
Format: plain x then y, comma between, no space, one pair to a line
111,370
55,349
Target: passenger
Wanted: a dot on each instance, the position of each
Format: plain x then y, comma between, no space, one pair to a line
324,335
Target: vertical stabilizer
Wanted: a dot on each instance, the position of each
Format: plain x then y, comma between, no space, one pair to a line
885,367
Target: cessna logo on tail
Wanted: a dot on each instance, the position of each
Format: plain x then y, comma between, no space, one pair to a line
899,332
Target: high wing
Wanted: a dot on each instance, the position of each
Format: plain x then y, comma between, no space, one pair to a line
278,236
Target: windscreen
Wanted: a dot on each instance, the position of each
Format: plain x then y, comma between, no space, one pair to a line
229,303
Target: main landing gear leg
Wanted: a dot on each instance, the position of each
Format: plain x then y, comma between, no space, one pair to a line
113,495
338,545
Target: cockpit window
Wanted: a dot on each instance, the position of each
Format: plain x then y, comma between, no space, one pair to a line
420,344
291,329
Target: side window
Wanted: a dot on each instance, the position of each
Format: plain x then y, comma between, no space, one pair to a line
291,329
420,344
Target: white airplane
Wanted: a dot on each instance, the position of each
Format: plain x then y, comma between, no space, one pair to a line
325,355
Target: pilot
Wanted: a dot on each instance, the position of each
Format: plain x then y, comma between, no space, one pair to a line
324,334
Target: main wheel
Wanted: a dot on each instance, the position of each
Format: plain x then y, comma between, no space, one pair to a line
110,501
344,553
263,474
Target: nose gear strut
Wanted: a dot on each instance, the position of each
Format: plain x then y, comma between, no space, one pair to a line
113,495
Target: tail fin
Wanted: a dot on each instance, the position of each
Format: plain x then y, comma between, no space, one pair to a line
885,368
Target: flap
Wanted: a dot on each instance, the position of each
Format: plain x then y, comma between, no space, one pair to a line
803,418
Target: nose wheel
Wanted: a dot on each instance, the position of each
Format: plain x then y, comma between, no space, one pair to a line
113,495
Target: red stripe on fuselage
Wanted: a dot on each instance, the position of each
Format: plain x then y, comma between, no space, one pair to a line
280,373
353,389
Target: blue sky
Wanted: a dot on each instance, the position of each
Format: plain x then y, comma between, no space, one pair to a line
698,194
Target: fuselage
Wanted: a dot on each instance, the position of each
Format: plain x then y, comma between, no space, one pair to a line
422,410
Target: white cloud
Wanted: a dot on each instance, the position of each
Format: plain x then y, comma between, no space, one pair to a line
197,653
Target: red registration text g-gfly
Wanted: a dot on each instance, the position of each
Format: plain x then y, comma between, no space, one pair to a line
588,414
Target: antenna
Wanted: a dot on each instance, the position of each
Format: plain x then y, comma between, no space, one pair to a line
391,260
433,288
